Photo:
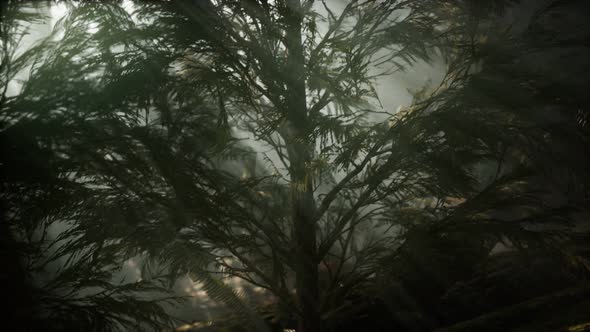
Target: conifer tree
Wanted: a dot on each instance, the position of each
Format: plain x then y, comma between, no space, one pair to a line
140,117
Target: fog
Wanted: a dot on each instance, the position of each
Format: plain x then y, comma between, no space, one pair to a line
396,93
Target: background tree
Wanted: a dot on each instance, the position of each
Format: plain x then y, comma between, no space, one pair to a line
140,122
535,203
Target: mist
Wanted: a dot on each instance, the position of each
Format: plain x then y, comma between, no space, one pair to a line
255,166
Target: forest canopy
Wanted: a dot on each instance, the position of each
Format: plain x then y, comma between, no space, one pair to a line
260,154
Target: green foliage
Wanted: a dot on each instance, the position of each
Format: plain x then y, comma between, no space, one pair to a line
130,132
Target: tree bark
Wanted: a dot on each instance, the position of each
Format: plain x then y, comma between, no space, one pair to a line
300,152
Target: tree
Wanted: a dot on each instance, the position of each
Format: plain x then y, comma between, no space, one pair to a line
139,119
548,253
53,284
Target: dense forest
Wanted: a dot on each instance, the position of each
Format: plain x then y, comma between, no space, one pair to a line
295,165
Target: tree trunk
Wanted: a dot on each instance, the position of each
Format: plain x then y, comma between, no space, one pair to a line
300,152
